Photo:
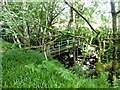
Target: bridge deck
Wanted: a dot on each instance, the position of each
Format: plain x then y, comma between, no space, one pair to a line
63,45
61,50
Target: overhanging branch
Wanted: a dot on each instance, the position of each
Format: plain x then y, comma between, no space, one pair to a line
118,12
81,16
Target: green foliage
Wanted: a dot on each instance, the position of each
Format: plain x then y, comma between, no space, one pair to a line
101,80
25,69
77,70
22,68
5,45
99,67
33,17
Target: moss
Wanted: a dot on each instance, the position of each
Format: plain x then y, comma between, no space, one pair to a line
99,67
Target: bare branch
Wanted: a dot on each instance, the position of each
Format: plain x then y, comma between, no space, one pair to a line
58,13
118,12
81,16
112,6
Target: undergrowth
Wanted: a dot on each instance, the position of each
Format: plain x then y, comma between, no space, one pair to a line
25,69
29,69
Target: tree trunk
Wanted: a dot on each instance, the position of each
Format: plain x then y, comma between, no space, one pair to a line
74,31
26,37
114,62
72,24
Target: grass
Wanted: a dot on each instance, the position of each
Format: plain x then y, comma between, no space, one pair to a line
29,69
5,45
25,69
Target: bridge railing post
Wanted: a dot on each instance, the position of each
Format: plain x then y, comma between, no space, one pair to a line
59,47
48,50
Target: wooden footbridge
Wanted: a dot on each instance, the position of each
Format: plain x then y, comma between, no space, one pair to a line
64,45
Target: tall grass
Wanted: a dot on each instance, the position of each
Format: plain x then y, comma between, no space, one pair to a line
27,69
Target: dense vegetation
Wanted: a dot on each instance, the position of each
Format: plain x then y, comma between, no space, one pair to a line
25,69
37,35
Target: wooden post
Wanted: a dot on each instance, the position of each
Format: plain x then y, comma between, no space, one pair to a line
59,47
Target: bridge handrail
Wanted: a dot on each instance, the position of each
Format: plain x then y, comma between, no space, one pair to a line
62,44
